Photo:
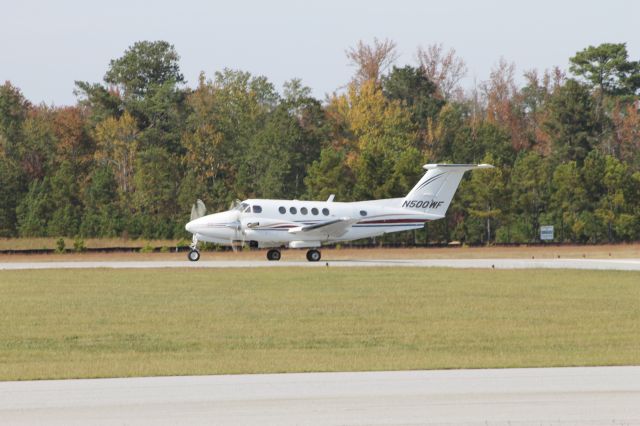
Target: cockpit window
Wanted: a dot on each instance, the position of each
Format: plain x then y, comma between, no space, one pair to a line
247,208
241,207
257,209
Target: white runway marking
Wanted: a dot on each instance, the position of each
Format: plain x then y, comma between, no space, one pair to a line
602,264
567,396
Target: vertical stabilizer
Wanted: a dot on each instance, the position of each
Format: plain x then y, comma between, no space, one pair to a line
434,192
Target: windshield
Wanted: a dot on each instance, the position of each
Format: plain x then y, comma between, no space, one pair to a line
241,207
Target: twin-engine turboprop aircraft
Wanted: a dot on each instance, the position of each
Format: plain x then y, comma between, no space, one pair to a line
274,224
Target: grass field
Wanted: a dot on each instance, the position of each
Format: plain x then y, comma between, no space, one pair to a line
110,323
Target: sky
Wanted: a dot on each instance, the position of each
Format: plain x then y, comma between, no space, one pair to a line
46,45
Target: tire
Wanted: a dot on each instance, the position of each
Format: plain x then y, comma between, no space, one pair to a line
194,255
313,255
273,255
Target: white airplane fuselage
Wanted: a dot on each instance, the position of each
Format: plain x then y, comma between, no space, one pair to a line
270,227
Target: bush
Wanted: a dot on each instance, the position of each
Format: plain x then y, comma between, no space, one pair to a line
78,245
60,245
148,248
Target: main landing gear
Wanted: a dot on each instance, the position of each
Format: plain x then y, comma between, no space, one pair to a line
312,255
194,254
273,254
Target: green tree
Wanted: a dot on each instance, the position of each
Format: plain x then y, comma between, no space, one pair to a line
612,208
117,146
11,188
13,113
530,192
156,188
484,197
568,201
571,122
329,175
608,69
65,203
35,209
144,67
102,216
409,85
36,151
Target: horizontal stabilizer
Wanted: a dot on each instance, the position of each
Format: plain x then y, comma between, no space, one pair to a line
457,166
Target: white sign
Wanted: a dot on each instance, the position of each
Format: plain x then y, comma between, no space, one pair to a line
546,233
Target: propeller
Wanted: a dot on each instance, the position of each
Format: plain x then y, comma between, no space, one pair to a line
198,209
238,232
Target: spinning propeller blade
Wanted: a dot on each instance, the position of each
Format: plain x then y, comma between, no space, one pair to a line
198,209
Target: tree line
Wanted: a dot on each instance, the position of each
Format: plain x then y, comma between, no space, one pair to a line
138,148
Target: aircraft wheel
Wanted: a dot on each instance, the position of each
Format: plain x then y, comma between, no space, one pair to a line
194,255
273,254
313,255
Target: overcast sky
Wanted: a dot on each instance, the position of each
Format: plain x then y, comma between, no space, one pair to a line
46,45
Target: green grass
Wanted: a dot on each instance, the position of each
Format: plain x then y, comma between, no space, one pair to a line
108,323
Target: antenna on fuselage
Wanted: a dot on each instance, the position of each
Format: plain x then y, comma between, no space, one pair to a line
331,197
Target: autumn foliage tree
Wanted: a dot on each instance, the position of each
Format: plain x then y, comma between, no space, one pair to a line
140,146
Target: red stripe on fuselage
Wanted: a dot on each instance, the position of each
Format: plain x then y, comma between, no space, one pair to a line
390,221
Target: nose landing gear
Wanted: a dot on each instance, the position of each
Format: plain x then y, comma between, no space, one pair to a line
313,255
194,254
273,254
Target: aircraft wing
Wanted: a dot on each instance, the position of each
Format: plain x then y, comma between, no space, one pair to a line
330,229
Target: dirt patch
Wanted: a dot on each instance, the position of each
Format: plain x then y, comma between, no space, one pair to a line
618,251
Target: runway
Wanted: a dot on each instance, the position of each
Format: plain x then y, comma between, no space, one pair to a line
567,396
593,264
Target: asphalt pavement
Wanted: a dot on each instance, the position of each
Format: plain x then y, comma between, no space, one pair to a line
534,396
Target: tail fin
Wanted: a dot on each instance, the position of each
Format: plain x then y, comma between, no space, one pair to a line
433,193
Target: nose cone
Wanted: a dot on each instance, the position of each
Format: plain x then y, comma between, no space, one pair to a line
199,224
212,224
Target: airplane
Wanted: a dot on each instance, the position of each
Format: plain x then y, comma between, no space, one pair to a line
273,224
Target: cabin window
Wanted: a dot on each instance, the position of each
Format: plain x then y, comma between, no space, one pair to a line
363,212
282,210
304,210
257,209
325,212
293,210
314,211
